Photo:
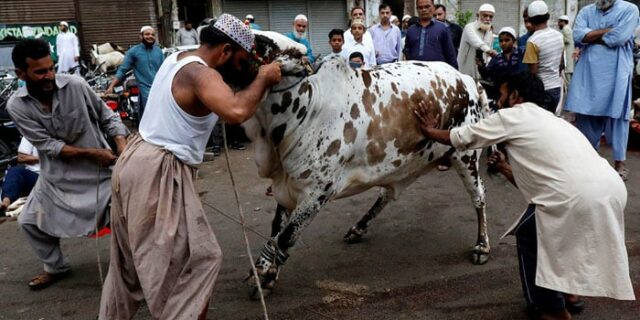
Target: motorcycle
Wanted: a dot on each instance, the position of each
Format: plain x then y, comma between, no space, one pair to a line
130,103
9,134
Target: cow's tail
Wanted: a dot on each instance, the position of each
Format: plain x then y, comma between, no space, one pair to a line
483,100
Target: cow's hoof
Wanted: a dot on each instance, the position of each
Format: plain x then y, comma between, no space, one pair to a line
479,258
354,235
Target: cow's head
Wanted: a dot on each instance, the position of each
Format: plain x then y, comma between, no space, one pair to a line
269,47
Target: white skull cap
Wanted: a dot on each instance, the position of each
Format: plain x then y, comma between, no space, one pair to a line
393,18
249,16
537,8
236,30
145,28
564,17
406,17
300,17
487,7
508,30
64,23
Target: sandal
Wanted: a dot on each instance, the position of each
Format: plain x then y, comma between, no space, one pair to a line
45,279
573,303
269,192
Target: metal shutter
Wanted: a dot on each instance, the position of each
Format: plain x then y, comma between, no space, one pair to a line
240,9
116,21
36,11
324,16
283,12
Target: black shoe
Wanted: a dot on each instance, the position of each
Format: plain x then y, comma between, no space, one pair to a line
216,151
237,146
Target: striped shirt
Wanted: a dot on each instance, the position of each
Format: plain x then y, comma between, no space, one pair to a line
545,48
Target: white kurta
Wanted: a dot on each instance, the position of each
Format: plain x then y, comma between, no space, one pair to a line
473,39
67,48
579,199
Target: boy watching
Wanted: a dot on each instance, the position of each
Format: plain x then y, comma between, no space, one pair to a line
356,60
336,40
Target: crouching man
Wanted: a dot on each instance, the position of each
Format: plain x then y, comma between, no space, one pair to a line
571,237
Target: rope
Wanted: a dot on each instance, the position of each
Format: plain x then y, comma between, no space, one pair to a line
242,223
101,274
234,220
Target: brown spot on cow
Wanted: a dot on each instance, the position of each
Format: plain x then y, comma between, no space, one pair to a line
304,87
349,132
305,174
394,87
396,163
366,78
333,148
375,152
355,112
367,101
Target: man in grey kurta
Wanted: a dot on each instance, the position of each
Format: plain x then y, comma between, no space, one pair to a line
187,36
65,120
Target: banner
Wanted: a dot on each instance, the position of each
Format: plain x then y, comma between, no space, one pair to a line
47,31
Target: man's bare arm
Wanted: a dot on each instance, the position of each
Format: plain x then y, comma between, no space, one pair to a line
27,158
104,157
235,107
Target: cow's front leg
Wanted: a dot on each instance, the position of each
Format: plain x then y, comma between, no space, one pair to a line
357,231
466,164
274,253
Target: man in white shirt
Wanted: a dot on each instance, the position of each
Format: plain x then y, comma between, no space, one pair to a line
19,180
544,53
357,32
187,36
477,37
357,13
570,240
67,49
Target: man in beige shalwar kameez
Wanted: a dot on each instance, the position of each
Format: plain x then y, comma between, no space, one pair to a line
163,249
571,238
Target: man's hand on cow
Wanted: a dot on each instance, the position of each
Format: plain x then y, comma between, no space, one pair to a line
428,116
271,73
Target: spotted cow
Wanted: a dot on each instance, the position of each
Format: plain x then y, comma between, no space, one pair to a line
341,131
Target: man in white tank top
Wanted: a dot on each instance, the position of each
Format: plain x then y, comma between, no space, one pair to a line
163,249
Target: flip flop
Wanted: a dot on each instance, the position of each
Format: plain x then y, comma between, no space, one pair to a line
443,168
45,279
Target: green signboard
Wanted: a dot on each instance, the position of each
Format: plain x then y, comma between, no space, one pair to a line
47,31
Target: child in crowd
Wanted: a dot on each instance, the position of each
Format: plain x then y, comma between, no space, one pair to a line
505,64
356,60
336,40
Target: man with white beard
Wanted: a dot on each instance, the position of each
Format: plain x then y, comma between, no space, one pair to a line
68,49
476,36
299,35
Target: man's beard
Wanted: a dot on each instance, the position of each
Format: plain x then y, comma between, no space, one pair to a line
299,35
236,79
485,26
36,88
604,5
147,44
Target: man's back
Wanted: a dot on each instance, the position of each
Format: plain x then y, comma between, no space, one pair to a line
545,48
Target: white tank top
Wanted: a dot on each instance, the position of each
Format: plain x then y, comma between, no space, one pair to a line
165,124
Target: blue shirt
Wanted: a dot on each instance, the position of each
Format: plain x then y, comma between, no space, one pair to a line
387,43
304,42
601,82
145,63
522,41
501,67
430,43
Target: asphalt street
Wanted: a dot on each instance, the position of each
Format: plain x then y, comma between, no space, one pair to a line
413,264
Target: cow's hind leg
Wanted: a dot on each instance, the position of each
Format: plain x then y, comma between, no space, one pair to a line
274,254
357,231
279,220
466,164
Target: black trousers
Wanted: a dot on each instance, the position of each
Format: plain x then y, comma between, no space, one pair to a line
543,299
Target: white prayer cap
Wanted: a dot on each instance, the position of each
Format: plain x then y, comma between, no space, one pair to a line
508,30
537,8
300,17
236,30
406,17
487,8
64,23
393,18
564,18
358,21
250,17
145,28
